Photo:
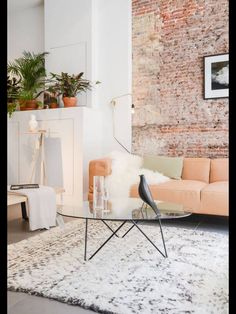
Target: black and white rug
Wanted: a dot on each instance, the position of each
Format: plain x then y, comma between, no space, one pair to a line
128,275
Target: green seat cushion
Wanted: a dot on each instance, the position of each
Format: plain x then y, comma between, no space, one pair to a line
168,166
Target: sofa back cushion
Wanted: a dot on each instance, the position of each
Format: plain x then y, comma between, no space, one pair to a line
168,166
219,170
196,169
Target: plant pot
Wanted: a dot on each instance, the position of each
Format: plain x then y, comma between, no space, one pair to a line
53,105
69,101
28,104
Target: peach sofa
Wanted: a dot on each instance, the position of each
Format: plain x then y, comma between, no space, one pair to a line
203,187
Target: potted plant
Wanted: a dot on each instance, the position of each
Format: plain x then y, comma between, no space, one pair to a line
69,86
30,70
50,99
53,102
12,94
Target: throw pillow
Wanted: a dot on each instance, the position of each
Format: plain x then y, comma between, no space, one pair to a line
169,166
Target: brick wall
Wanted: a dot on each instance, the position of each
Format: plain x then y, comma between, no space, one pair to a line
170,38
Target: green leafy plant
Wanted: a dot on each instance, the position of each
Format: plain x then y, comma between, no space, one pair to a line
30,70
40,104
13,89
11,107
49,98
69,85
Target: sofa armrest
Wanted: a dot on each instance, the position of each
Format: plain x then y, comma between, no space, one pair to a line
98,167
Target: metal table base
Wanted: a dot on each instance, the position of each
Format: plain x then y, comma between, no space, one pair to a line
114,233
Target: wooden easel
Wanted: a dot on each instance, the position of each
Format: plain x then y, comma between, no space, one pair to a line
39,152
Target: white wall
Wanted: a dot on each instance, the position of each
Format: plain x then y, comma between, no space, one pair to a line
112,34
25,31
68,39
93,36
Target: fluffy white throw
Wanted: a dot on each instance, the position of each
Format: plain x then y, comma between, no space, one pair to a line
126,169
41,206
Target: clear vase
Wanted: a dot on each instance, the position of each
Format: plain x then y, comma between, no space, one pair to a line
98,192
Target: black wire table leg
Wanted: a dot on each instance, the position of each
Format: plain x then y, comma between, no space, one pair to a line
107,239
85,241
128,231
163,240
109,228
149,239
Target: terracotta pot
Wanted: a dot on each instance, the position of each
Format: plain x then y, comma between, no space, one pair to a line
53,105
28,104
69,101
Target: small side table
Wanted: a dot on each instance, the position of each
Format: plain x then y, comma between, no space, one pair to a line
13,198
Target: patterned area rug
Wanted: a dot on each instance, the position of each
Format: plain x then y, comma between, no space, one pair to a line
128,275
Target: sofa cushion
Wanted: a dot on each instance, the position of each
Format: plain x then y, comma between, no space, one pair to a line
219,170
215,199
169,166
186,192
196,169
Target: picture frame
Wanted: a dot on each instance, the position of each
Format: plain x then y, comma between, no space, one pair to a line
216,76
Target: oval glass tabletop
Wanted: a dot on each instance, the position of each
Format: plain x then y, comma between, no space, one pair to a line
125,209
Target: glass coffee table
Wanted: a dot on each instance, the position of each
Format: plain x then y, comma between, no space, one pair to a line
125,210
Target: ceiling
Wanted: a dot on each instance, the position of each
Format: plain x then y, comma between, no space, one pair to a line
13,5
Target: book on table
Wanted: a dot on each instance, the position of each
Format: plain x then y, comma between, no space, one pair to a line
24,186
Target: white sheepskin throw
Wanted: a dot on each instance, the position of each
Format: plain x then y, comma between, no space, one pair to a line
126,169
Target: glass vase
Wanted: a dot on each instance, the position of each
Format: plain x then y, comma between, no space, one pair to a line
98,192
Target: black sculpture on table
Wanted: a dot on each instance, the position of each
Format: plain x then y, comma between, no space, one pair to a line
146,195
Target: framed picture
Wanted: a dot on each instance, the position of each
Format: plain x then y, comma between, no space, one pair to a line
216,76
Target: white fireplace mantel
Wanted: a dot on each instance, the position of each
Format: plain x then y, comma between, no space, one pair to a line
73,139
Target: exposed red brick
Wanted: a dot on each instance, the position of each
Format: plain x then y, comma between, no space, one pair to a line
170,38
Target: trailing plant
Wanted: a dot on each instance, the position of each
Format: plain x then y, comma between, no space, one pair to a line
11,107
13,90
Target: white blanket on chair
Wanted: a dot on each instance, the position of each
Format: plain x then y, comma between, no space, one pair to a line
41,206
126,169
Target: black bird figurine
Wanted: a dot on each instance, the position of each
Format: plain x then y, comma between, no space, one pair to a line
146,195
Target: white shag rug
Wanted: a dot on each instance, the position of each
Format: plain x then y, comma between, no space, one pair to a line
126,169
128,275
